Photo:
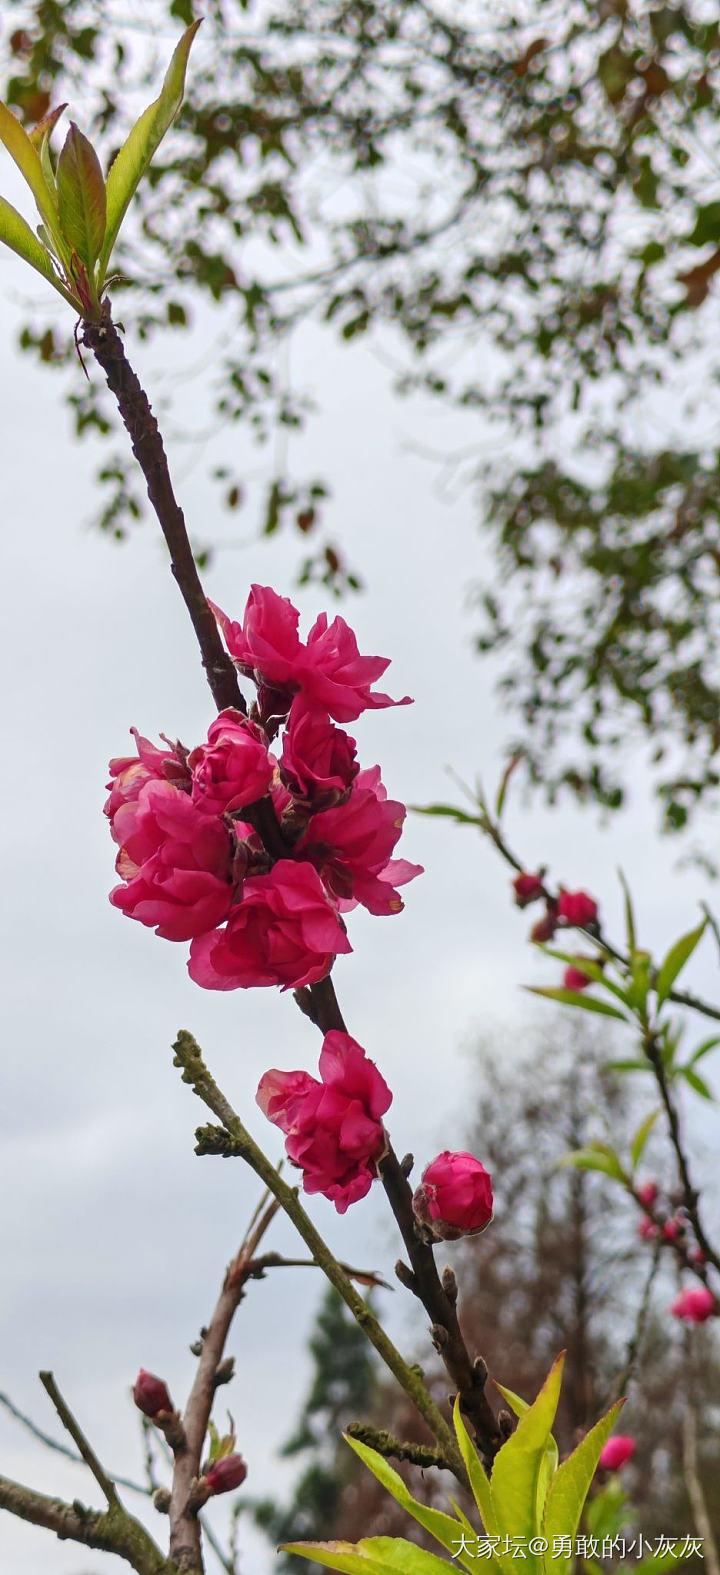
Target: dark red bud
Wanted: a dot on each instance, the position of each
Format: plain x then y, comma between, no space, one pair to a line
150,1394
224,1475
545,928
527,888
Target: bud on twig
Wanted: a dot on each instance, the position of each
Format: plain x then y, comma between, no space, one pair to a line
151,1396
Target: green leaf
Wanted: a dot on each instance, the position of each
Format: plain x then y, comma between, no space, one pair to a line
27,158
703,1049
597,1156
570,1485
589,967
628,1066
479,1482
136,153
641,1136
45,126
675,961
372,1556
707,225
81,197
586,1003
629,915
19,237
449,811
698,1083
519,1477
441,1526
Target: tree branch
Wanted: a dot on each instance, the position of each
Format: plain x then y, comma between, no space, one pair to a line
78,1437
110,1531
185,1529
393,1449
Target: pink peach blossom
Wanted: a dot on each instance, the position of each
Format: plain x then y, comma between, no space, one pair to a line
175,863
616,1452
234,768
695,1305
575,979
577,908
454,1197
333,1127
285,931
351,847
328,669
318,760
129,773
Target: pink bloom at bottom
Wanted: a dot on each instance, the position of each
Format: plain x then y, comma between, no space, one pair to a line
333,1126
616,1452
454,1197
695,1305
285,931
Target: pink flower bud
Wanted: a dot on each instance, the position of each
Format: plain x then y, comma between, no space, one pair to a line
224,1475
577,908
616,1453
695,1305
647,1193
698,1256
150,1395
454,1197
545,927
647,1229
575,979
527,888
672,1229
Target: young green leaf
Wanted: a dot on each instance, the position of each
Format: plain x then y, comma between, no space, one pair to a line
629,915
449,811
372,1556
641,1136
127,170
81,197
627,1066
589,967
19,237
597,1156
675,961
519,1477
703,1049
441,1526
586,1003
27,158
479,1482
569,1488
697,1082
45,126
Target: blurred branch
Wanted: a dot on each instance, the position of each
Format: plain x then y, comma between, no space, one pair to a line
110,1531
696,1494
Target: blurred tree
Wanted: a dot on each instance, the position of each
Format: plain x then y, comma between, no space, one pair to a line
527,198
342,1386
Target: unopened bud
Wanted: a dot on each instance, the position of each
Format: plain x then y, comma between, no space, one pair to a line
150,1395
527,888
225,1474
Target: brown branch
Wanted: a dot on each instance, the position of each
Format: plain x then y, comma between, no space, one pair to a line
63,1449
627,1375
690,1192
696,1494
78,1437
106,345
110,1531
439,1298
185,1530
395,1449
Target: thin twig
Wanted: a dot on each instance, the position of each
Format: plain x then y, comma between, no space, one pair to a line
63,1449
395,1449
626,1376
72,1427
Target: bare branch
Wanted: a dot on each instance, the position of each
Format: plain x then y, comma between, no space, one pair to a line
110,1531
72,1427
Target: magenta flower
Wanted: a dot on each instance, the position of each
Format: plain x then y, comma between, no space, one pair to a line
577,908
225,1474
285,931
351,847
454,1197
647,1194
175,863
695,1305
575,979
234,768
129,773
333,1127
647,1229
527,888
318,760
328,669
150,1395
616,1452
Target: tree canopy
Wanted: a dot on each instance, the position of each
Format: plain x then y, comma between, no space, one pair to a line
527,199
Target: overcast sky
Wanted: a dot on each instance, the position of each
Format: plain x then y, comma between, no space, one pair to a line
114,1236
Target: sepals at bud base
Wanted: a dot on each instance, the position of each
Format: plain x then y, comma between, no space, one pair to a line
225,1474
151,1395
454,1197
